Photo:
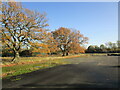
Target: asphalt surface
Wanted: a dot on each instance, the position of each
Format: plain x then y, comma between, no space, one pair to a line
83,72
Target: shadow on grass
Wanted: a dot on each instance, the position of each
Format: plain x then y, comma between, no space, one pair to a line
6,60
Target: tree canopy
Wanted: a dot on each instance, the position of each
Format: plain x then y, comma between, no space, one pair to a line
108,47
20,26
68,40
24,32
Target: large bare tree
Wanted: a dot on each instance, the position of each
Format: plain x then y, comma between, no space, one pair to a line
20,26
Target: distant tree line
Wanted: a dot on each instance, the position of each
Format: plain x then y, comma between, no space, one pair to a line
104,48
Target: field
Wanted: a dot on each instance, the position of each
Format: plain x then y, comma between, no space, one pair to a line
29,64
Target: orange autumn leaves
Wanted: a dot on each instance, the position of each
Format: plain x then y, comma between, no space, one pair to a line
62,40
48,44
22,28
69,40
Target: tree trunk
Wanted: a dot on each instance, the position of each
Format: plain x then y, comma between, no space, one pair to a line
66,53
16,56
63,53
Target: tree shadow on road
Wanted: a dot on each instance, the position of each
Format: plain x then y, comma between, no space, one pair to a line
90,85
113,66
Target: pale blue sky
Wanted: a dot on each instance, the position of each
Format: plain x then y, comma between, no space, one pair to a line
96,20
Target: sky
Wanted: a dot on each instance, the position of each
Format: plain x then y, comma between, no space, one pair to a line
96,20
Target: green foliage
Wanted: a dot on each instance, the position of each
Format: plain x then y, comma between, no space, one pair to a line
107,48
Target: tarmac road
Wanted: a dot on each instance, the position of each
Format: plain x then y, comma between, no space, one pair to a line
83,72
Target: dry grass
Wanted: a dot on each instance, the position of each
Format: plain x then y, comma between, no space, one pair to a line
25,60
6,61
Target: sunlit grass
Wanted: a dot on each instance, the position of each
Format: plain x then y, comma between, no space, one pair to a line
29,64
25,68
25,60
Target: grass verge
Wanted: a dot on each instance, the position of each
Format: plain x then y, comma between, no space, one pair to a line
29,64
25,68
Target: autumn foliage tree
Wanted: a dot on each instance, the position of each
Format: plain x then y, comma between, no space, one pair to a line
69,40
76,48
47,46
20,26
51,43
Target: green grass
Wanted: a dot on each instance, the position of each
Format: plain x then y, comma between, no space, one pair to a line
37,63
25,68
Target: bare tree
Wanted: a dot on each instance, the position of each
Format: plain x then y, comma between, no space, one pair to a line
20,26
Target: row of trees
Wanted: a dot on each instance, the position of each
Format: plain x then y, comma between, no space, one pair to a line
23,29
104,48
62,40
